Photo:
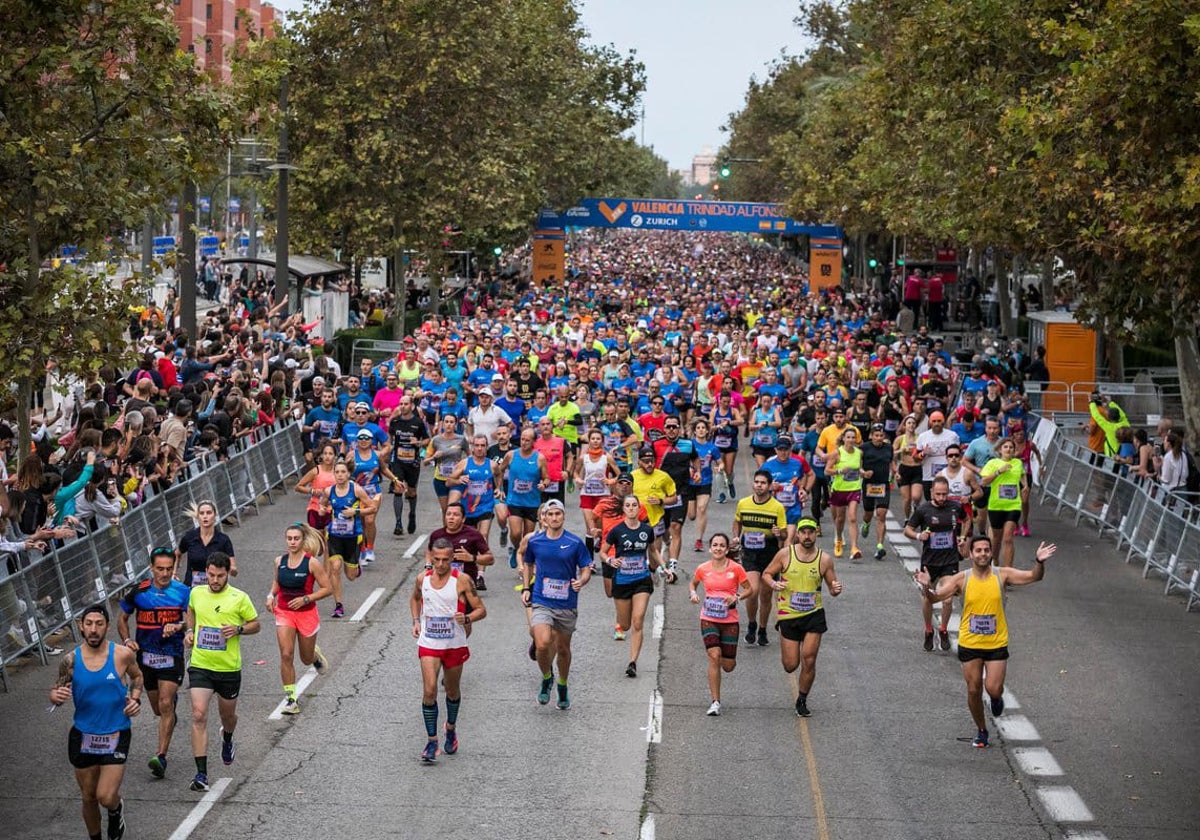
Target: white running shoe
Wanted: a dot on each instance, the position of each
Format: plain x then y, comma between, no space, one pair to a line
715,709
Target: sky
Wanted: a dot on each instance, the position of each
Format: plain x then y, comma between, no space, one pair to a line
699,57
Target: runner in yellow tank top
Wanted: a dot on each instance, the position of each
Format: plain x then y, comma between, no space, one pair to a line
795,574
983,631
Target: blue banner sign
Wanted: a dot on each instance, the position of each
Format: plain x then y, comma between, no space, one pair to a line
163,245
209,245
681,214
235,204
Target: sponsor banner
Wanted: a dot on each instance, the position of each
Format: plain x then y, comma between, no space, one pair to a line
681,214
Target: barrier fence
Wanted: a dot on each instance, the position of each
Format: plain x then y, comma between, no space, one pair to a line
43,592
1158,528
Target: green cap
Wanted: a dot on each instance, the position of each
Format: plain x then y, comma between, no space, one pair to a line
806,522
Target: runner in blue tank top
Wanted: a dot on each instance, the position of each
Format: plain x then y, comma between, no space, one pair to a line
105,683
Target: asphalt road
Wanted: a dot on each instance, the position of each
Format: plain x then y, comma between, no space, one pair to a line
1103,683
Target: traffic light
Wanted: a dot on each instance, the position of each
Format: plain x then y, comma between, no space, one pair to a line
899,260
725,170
873,263
497,250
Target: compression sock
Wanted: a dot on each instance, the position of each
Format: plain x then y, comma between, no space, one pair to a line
202,764
430,713
452,711
290,691
398,507
928,628
591,544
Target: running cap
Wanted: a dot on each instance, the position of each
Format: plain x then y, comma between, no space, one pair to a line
806,524
625,477
365,434
553,504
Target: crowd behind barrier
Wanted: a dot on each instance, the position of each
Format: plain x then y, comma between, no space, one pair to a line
1158,527
41,593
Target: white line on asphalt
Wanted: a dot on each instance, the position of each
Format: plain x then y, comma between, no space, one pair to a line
1085,835
1036,761
647,832
1010,700
657,627
301,684
1064,804
417,543
654,724
911,566
906,551
1017,728
202,807
361,612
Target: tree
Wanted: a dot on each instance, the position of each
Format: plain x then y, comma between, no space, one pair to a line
101,115
414,114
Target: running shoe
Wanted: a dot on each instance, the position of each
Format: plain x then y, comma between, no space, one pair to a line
751,632
158,766
430,753
880,552
451,746
199,782
802,707
672,571
699,545
564,701
544,691
1025,531
981,739
412,525
838,548
290,706
631,671
856,554
398,531
338,610
368,556
320,662
944,639
512,557
503,537
116,822
865,528
928,640
481,584
732,491
762,637
570,485
618,634
715,709
997,706
228,753
721,499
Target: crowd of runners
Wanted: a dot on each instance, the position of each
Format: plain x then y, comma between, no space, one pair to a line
669,374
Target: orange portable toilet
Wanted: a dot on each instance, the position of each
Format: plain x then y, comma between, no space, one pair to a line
1072,351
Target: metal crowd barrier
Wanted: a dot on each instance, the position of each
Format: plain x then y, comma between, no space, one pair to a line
1158,528
42,593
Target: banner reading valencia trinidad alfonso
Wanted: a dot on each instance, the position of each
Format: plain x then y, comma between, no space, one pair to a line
682,214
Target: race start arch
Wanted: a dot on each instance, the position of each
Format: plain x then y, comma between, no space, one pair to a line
549,239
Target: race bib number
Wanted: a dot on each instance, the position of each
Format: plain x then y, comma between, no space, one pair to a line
982,625
803,601
818,460
199,578
521,485
723,441
941,540
634,566
850,475
714,607
439,626
157,660
754,539
552,486
763,438
891,425
937,466
593,486
876,491
210,638
456,566
677,503
406,453
787,496
556,590
99,744
339,526
1008,491
476,488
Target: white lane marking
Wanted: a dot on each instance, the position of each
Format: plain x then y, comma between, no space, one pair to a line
301,684
647,832
1010,700
1064,804
911,566
657,627
1017,728
202,807
361,612
1085,835
654,724
1036,761
906,551
417,543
